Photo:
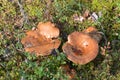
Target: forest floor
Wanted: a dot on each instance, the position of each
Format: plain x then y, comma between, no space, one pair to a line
18,16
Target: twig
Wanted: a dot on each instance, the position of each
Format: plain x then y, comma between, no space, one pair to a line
25,18
105,38
47,13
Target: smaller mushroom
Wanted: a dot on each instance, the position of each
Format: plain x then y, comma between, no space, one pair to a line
80,48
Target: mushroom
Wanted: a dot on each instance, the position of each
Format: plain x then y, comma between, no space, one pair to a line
80,48
42,40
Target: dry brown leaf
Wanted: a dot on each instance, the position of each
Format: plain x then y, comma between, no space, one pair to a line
86,13
103,51
77,18
105,48
71,73
0,34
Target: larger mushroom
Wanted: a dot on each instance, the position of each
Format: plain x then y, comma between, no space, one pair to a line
42,40
80,48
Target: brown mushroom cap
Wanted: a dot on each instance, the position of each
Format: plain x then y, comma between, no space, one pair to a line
80,48
48,29
40,44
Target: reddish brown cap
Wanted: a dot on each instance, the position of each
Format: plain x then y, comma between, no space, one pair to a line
80,48
48,29
39,43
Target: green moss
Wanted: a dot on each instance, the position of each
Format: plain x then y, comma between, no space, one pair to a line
22,65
